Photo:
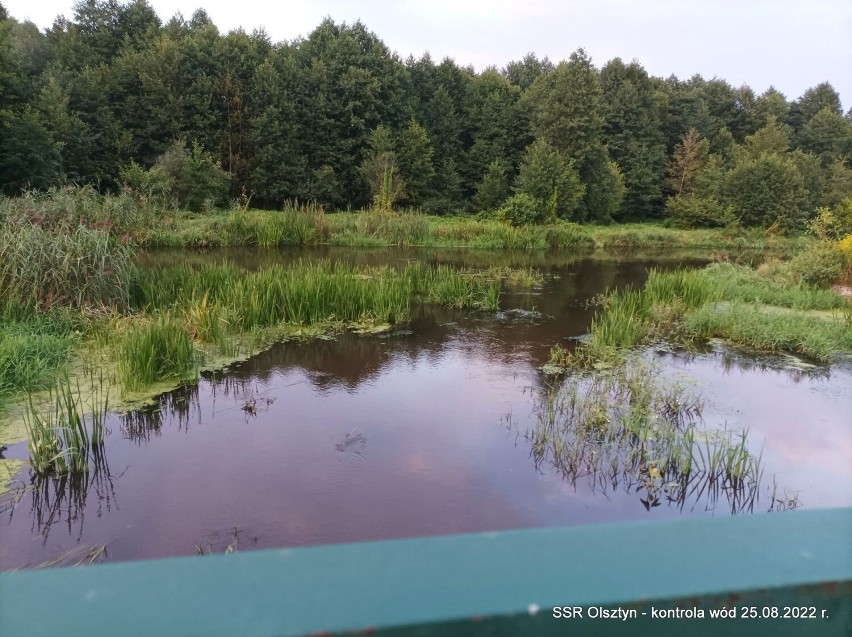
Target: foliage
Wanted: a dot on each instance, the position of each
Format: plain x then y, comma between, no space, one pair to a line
767,190
194,178
549,177
179,113
80,268
722,300
522,209
493,190
694,211
156,351
832,224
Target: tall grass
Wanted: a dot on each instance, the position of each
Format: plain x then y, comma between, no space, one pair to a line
66,209
40,269
768,330
294,225
156,351
722,300
32,353
60,442
310,292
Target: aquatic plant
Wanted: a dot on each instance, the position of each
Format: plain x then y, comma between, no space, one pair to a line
60,441
40,269
155,351
623,424
33,352
727,301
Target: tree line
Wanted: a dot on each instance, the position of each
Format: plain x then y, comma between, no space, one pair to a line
117,98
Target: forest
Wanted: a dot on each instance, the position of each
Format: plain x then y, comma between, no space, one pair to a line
119,99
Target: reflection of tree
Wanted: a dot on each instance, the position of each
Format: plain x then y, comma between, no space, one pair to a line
64,498
620,428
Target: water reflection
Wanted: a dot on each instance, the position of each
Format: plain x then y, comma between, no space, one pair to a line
64,500
624,426
368,437
180,405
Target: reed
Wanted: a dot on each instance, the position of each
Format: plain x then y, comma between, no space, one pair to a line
60,441
306,293
155,351
622,424
66,209
40,269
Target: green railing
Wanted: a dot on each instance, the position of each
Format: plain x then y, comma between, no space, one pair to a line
781,574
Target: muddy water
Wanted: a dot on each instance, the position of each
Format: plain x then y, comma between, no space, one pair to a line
416,433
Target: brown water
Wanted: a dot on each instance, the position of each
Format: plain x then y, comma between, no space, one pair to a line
417,433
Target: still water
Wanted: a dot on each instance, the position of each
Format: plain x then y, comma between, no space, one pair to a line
420,432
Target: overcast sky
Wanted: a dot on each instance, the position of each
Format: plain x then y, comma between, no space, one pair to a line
791,44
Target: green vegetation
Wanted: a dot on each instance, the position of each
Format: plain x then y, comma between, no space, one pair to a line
721,300
43,269
623,425
309,225
61,442
178,113
154,352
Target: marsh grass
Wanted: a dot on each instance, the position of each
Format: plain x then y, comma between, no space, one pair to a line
61,442
294,225
66,209
623,425
306,292
157,350
726,301
764,329
40,269
33,352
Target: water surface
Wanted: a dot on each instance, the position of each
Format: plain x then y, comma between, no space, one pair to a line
420,432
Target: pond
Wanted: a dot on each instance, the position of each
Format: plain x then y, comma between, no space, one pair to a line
421,431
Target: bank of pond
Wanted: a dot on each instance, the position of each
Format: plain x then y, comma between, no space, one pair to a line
311,395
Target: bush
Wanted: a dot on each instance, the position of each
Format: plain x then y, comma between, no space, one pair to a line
521,210
197,180
845,246
695,211
832,224
819,265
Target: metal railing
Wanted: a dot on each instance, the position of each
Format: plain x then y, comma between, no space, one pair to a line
779,574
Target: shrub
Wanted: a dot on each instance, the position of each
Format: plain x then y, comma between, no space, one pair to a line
198,181
695,211
819,265
521,210
832,224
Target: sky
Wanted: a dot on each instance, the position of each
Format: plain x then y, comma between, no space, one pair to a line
789,44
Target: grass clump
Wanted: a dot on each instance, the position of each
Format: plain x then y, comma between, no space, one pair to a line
156,351
725,301
60,441
622,425
40,269
31,354
766,328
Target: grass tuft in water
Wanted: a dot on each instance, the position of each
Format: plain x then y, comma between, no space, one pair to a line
61,442
622,424
726,301
155,351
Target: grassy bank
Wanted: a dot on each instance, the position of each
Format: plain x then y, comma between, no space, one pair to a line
725,301
310,226
80,308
